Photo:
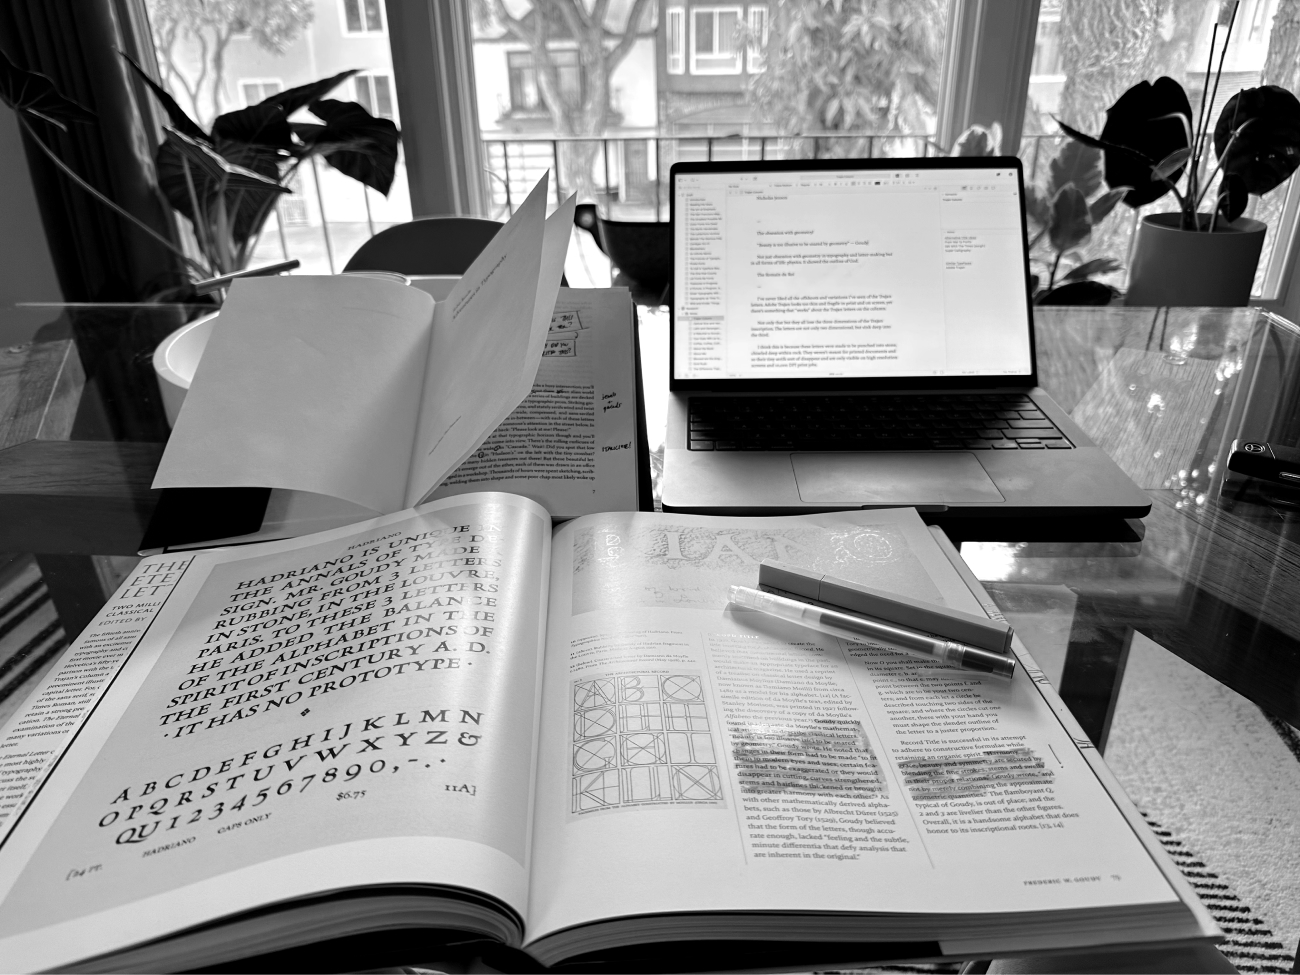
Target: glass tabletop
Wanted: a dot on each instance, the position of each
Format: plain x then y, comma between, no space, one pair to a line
1210,574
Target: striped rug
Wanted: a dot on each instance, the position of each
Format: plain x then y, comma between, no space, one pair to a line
30,635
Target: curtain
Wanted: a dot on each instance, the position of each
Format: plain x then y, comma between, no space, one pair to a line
97,254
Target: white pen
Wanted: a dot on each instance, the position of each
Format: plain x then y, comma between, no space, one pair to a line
857,628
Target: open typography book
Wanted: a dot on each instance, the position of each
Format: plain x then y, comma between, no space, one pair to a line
366,390
450,719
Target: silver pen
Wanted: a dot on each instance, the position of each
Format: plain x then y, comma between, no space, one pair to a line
859,628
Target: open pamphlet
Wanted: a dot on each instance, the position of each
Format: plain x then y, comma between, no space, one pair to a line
575,444
452,719
366,390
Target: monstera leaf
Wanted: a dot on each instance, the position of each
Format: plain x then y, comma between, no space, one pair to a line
1266,147
31,93
354,142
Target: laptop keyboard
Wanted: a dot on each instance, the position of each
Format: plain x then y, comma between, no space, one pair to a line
967,421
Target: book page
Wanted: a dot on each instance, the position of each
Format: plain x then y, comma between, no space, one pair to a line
571,444
487,340
699,759
351,708
310,383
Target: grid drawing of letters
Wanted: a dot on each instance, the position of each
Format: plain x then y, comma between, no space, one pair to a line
642,739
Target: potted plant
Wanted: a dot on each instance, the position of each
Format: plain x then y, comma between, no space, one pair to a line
226,181
1206,252
1063,213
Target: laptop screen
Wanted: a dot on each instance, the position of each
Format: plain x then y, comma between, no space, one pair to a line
831,274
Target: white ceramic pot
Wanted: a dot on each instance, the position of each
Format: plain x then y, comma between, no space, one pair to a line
175,360
1172,266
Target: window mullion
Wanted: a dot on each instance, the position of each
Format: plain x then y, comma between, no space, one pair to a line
986,68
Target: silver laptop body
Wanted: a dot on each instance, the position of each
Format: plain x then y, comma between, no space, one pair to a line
881,282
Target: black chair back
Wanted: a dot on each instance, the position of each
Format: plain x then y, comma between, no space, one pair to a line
432,245
642,252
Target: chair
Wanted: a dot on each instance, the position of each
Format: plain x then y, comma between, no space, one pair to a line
642,252
431,245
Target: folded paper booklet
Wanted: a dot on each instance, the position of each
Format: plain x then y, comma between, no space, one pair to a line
367,391
452,724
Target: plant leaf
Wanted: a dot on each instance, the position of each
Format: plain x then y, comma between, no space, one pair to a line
214,179
1100,208
32,93
1172,163
1144,123
1101,265
979,141
1266,147
355,142
302,96
1076,163
1071,224
1037,206
263,124
1233,197
180,121
1079,293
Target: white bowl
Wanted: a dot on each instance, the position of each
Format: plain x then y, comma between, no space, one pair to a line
175,360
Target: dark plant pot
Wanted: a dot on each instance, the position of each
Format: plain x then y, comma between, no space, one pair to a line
1172,266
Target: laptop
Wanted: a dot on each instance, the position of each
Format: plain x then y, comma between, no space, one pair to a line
858,334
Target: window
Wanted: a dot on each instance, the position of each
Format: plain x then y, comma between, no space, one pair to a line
375,94
758,37
526,96
676,40
363,17
1047,48
713,40
255,91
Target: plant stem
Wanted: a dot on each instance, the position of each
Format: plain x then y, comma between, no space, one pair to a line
190,262
1223,53
1051,278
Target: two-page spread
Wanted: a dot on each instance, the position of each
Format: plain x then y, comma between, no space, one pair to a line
446,718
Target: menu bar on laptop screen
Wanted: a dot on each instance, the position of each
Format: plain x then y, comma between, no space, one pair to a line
862,273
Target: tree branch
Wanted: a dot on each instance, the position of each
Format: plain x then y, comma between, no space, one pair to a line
620,50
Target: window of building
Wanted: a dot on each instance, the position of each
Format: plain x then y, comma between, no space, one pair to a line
1047,46
526,96
713,40
757,37
256,90
676,40
375,94
363,17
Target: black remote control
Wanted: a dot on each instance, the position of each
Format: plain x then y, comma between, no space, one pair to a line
1265,460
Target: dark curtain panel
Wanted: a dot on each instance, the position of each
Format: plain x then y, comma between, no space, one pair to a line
98,255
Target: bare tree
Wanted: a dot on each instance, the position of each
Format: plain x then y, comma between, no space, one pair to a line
601,49
191,37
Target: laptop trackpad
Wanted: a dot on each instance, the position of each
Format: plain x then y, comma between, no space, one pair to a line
892,478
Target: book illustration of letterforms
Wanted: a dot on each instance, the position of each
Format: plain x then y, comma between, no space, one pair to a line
642,739
640,563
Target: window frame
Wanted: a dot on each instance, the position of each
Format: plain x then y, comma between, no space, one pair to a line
985,78
675,60
261,83
755,52
715,10
380,31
